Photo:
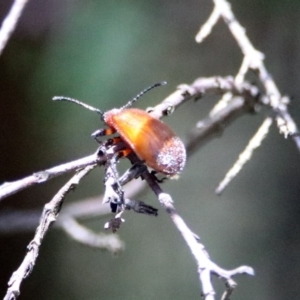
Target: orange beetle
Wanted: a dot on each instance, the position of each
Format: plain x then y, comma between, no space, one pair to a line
151,140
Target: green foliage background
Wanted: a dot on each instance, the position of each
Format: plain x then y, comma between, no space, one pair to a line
104,53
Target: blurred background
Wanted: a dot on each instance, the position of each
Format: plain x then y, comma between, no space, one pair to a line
104,53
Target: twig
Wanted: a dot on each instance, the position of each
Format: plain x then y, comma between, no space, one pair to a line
239,79
246,98
213,126
285,123
26,221
100,157
206,267
9,188
199,88
10,22
245,156
87,237
207,27
253,59
50,213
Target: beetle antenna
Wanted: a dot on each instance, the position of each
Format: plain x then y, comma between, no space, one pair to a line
139,95
62,98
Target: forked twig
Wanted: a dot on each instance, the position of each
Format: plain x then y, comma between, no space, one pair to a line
206,267
253,60
50,213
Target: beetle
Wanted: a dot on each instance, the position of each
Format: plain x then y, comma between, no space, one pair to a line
150,139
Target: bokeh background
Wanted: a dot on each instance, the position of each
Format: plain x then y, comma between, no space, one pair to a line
105,52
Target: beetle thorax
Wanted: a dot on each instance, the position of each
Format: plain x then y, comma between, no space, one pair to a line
108,116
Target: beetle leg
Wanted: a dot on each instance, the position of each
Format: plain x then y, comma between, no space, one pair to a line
125,152
102,132
153,173
122,146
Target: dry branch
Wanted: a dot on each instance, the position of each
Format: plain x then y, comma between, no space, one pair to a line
50,213
10,22
9,188
202,86
239,97
253,60
206,267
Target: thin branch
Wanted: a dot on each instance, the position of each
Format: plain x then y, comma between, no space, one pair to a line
285,122
87,237
102,154
213,126
207,27
204,86
253,59
27,220
246,97
50,213
206,267
9,188
239,79
10,22
245,156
